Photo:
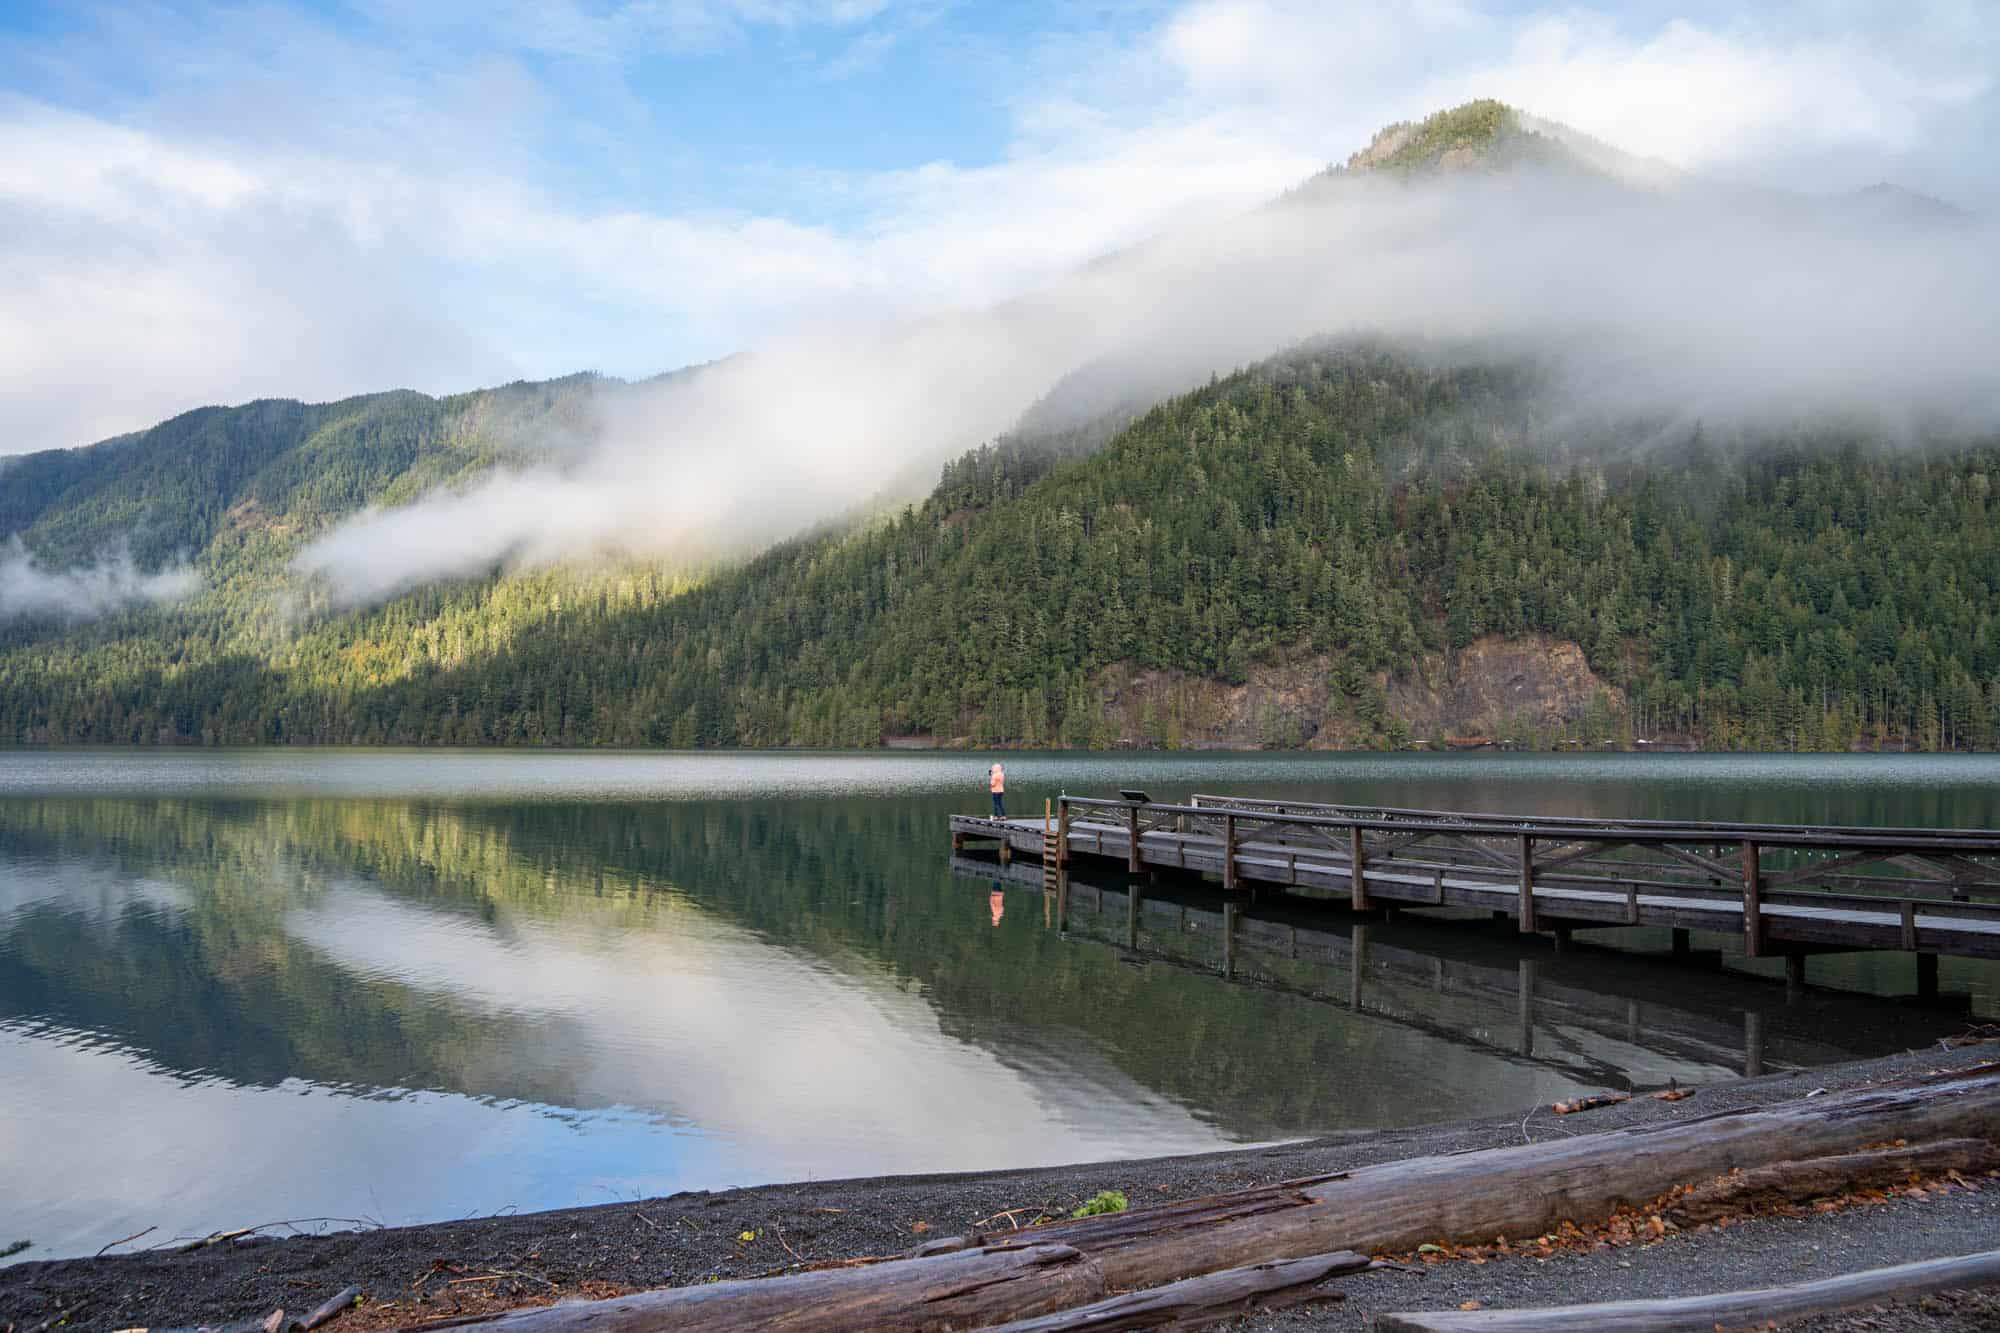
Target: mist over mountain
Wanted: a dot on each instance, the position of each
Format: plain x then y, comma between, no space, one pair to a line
1563,336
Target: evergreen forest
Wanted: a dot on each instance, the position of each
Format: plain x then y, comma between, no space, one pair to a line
1354,515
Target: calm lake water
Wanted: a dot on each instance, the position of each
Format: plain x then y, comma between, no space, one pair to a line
392,987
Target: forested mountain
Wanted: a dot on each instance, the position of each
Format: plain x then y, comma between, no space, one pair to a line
1352,544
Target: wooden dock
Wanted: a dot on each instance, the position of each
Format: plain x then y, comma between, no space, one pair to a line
1784,890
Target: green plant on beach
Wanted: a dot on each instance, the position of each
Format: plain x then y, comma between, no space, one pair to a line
1105,1201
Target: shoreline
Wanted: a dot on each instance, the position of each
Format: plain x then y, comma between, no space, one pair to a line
438,1269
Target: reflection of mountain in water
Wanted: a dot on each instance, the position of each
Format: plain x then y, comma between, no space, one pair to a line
802,969
386,945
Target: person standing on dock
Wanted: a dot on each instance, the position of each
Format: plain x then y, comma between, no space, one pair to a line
996,781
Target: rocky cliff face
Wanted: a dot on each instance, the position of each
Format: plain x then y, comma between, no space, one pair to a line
1531,691
1504,687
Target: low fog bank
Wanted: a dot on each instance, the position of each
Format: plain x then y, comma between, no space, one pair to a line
84,593
1682,302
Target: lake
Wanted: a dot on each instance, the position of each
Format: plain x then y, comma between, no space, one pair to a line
389,987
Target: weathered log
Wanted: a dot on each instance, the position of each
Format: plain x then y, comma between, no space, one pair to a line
1707,1312
1523,1190
1796,1182
971,1289
1198,1301
1515,1191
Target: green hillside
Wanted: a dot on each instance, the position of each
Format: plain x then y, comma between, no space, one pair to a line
1326,532
1350,545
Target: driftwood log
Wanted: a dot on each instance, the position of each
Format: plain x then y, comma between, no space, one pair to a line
1199,1301
1817,1177
1515,1191
1724,1309
969,1289
1466,1197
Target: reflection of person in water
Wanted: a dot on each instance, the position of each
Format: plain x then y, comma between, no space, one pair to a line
997,901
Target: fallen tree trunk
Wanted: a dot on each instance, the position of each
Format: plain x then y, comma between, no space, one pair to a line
1199,1301
1516,1191
1707,1312
970,1289
1796,1182
1473,1196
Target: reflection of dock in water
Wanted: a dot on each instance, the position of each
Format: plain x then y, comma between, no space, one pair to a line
1595,1015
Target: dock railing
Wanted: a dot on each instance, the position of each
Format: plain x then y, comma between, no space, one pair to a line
1939,873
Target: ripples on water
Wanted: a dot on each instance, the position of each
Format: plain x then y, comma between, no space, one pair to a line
394,986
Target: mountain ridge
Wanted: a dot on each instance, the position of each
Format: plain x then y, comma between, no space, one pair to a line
1346,520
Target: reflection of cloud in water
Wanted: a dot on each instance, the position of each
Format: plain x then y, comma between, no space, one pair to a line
800,1068
100,889
190,1156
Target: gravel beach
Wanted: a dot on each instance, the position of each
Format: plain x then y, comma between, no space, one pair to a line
443,1268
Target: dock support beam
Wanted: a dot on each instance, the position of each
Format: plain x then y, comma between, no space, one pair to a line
1753,903
1927,976
1357,883
1795,975
1527,910
1229,853
1132,852
1680,947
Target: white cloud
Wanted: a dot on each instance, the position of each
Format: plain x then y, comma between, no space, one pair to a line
415,228
1683,303
29,589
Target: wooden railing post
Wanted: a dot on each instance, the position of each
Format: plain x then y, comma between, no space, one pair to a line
1132,853
1229,853
1527,907
1753,903
1357,882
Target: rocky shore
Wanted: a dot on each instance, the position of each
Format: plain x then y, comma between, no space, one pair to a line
413,1274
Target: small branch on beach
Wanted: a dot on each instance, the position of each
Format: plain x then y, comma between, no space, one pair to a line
331,1310
221,1237
58,1317
502,1276
1010,1214
126,1239
217,1238
1590,1103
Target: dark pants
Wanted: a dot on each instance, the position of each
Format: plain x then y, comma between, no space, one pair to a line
999,805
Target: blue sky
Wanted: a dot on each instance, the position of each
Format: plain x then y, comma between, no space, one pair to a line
211,202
